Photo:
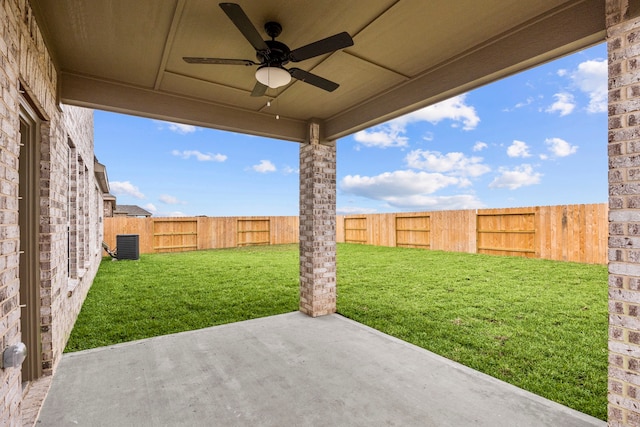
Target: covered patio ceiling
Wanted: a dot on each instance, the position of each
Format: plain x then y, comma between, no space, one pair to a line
126,56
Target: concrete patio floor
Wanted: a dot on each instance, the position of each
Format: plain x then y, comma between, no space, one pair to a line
286,370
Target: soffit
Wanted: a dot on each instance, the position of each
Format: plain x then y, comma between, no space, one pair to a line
126,56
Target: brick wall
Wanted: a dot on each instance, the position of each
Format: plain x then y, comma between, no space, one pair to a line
27,72
317,225
68,289
623,37
10,390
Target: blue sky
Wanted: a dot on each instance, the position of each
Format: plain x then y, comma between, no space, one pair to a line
536,138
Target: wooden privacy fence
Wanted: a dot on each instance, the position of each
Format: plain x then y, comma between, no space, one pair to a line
566,233
445,230
165,234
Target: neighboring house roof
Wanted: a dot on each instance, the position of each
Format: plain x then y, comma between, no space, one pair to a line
131,210
100,172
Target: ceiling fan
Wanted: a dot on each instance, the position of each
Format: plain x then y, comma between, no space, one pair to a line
272,55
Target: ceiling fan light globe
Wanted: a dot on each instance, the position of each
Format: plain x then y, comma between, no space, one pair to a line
274,77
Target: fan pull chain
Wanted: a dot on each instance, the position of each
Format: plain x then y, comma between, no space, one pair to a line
269,105
277,115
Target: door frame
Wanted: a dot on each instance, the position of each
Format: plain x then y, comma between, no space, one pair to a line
29,255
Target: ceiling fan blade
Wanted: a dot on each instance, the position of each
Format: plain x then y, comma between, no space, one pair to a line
330,44
259,89
248,30
314,80
223,61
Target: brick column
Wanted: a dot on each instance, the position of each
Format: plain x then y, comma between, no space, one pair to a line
623,39
317,224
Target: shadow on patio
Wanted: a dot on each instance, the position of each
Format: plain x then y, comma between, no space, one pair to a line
285,370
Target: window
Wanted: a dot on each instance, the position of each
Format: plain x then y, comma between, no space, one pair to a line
72,212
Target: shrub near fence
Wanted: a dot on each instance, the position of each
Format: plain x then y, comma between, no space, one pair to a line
566,233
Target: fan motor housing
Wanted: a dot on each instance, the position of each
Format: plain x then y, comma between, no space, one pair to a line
278,53
273,29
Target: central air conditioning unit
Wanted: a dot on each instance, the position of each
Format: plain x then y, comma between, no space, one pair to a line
128,246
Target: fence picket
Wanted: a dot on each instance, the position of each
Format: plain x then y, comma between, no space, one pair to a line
568,232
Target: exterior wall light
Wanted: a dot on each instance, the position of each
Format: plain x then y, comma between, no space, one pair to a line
13,356
273,77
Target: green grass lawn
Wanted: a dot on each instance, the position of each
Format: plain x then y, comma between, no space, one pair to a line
174,292
540,325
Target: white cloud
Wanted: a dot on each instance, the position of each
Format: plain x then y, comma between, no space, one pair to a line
564,104
176,214
201,157
518,149
422,202
560,148
528,101
288,170
521,104
392,133
479,146
591,78
265,166
181,128
454,163
125,188
176,127
384,137
151,207
454,109
350,210
409,189
398,183
428,136
170,200
517,177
